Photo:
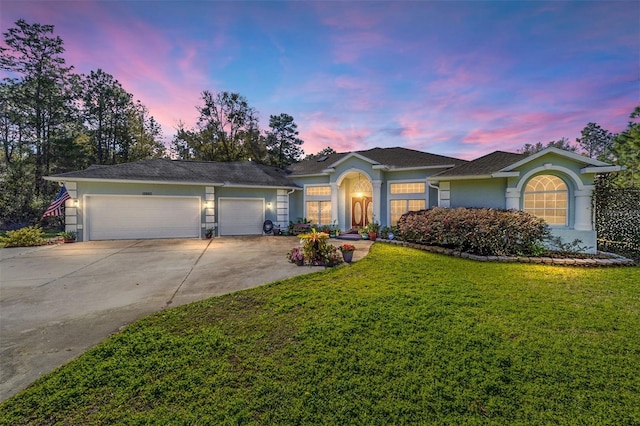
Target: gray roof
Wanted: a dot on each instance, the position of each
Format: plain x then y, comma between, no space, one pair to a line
485,165
205,172
393,157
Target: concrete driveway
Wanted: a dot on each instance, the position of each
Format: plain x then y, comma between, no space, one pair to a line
58,301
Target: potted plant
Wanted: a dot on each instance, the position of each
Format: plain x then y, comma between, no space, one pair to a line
296,256
208,233
334,231
347,252
68,236
364,233
372,230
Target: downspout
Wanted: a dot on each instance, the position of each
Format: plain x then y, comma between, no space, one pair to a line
437,188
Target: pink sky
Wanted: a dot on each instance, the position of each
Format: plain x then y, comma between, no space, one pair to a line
452,78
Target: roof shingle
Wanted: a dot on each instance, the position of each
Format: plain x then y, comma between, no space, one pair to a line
485,165
393,157
206,172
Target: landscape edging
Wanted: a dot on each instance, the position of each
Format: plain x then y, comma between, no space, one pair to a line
615,259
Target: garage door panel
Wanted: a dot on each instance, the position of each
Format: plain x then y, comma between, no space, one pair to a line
241,216
113,218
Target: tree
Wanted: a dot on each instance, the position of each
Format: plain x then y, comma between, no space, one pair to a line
43,92
596,142
327,151
106,109
560,144
226,130
626,148
145,135
228,118
283,145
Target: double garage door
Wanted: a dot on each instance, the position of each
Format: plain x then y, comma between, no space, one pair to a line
126,218
135,217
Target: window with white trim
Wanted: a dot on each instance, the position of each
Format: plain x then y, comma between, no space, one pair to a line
319,212
400,207
407,188
315,191
547,197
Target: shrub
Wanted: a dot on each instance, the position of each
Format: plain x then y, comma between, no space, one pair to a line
480,231
317,251
24,237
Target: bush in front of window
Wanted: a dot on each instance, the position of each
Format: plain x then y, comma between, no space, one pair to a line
485,232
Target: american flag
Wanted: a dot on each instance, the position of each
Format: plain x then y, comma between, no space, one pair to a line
55,208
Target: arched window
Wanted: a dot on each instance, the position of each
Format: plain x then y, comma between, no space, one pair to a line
547,197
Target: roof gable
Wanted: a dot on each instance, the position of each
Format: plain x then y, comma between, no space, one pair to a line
390,158
504,164
561,152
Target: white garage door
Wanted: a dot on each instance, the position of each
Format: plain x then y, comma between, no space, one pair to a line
123,218
241,216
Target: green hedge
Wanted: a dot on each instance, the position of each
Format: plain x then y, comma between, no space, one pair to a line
486,232
618,219
24,237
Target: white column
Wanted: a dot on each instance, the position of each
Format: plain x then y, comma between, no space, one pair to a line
282,208
334,202
377,196
71,208
513,199
583,217
209,208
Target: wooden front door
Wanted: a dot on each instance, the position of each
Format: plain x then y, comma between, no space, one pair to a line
360,208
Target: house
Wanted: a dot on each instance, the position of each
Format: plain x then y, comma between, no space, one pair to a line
173,198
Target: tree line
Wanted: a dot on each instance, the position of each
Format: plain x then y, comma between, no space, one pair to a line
53,120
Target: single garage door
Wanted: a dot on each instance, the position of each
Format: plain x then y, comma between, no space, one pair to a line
241,216
124,218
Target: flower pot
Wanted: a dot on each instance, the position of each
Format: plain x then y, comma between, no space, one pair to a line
347,256
69,240
373,236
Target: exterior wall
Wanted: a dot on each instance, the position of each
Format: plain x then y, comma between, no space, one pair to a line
276,201
501,193
580,188
270,196
342,180
485,193
76,213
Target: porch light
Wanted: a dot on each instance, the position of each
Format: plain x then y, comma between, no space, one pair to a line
362,188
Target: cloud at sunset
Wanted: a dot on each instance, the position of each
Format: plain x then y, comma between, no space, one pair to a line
452,78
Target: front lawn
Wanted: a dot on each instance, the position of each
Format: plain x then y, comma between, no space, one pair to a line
400,337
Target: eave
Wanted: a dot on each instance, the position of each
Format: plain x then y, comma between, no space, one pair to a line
167,182
607,169
448,178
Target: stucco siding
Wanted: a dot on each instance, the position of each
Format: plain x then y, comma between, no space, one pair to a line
486,193
355,164
558,162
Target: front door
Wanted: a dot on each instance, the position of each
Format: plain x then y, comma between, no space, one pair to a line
360,211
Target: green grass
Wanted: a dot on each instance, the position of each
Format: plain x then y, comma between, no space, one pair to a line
400,337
